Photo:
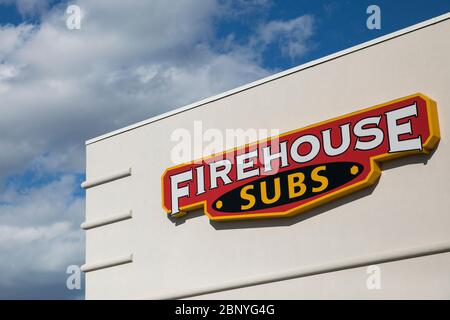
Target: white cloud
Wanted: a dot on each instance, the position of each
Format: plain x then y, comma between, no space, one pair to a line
59,87
11,37
292,35
39,230
129,61
7,72
27,235
71,85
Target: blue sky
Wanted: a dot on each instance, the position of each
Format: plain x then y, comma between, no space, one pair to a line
130,61
339,24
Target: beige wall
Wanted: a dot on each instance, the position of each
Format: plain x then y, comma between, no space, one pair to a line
419,278
409,208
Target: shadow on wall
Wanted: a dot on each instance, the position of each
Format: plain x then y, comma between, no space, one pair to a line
288,221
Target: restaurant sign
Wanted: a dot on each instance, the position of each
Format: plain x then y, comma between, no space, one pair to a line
301,169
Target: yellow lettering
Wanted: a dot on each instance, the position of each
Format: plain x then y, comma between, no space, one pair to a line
318,178
296,180
277,195
250,198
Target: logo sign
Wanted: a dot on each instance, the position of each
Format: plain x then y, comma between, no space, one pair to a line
299,170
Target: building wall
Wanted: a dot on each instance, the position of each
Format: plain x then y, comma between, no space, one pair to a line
406,214
417,278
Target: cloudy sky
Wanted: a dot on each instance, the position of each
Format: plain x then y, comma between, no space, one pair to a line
131,60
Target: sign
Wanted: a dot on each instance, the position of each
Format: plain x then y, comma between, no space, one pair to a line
301,169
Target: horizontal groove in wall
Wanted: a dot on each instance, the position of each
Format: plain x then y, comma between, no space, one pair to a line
105,221
107,263
384,257
106,179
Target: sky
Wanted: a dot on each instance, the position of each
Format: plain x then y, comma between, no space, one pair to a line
131,60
